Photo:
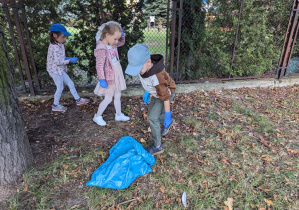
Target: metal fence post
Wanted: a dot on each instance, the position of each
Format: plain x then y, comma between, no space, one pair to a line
289,41
236,40
29,44
22,45
6,9
174,6
179,40
167,32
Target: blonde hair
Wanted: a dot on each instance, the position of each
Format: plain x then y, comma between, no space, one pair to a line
110,27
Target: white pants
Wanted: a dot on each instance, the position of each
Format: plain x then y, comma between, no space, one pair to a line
58,80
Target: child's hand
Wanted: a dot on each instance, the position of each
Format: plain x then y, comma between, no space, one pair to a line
167,119
145,97
103,83
74,59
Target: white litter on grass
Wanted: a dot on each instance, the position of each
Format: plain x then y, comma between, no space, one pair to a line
184,199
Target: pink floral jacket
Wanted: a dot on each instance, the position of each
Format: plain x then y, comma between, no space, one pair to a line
56,62
103,61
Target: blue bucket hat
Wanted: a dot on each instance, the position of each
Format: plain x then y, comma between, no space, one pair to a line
137,57
60,28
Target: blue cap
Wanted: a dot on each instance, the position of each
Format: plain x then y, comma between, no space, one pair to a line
137,57
60,28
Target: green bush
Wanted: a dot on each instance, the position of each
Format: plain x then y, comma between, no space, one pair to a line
82,19
207,46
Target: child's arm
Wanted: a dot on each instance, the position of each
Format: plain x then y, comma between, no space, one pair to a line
121,41
58,60
100,62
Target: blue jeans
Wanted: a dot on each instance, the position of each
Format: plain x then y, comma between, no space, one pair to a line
58,80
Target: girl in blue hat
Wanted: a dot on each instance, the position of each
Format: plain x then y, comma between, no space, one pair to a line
56,66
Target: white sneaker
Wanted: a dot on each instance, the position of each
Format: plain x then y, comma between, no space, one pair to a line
99,120
121,117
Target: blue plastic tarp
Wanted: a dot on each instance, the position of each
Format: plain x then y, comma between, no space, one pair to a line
127,161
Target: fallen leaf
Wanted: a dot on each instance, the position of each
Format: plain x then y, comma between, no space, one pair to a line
265,190
65,166
75,207
142,140
269,202
266,158
236,164
229,203
145,117
225,161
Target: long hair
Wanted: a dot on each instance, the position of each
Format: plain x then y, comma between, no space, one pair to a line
52,38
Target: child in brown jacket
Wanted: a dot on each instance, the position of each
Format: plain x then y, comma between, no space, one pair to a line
156,82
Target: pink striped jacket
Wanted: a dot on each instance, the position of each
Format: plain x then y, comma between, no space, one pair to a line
103,61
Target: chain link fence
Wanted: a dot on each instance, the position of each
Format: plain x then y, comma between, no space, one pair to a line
230,39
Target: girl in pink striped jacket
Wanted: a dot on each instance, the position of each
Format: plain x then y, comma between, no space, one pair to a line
111,79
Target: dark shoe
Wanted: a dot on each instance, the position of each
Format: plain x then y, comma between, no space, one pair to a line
155,150
165,130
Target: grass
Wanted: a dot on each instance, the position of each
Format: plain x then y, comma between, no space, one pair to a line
218,151
156,41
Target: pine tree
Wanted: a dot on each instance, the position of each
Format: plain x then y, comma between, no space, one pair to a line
193,40
220,37
260,37
156,8
254,54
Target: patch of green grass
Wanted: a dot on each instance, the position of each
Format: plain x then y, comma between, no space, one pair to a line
213,116
215,158
46,183
14,202
252,100
194,123
156,41
263,123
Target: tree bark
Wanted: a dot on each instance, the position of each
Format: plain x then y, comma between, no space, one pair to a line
15,151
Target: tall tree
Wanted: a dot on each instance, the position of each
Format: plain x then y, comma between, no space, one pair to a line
155,8
193,39
255,47
15,151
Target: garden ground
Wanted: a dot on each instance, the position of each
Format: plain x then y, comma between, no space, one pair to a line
229,149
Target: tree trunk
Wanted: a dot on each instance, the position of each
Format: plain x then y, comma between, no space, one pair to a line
15,151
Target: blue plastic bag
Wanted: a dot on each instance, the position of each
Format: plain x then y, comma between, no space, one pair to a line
127,161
